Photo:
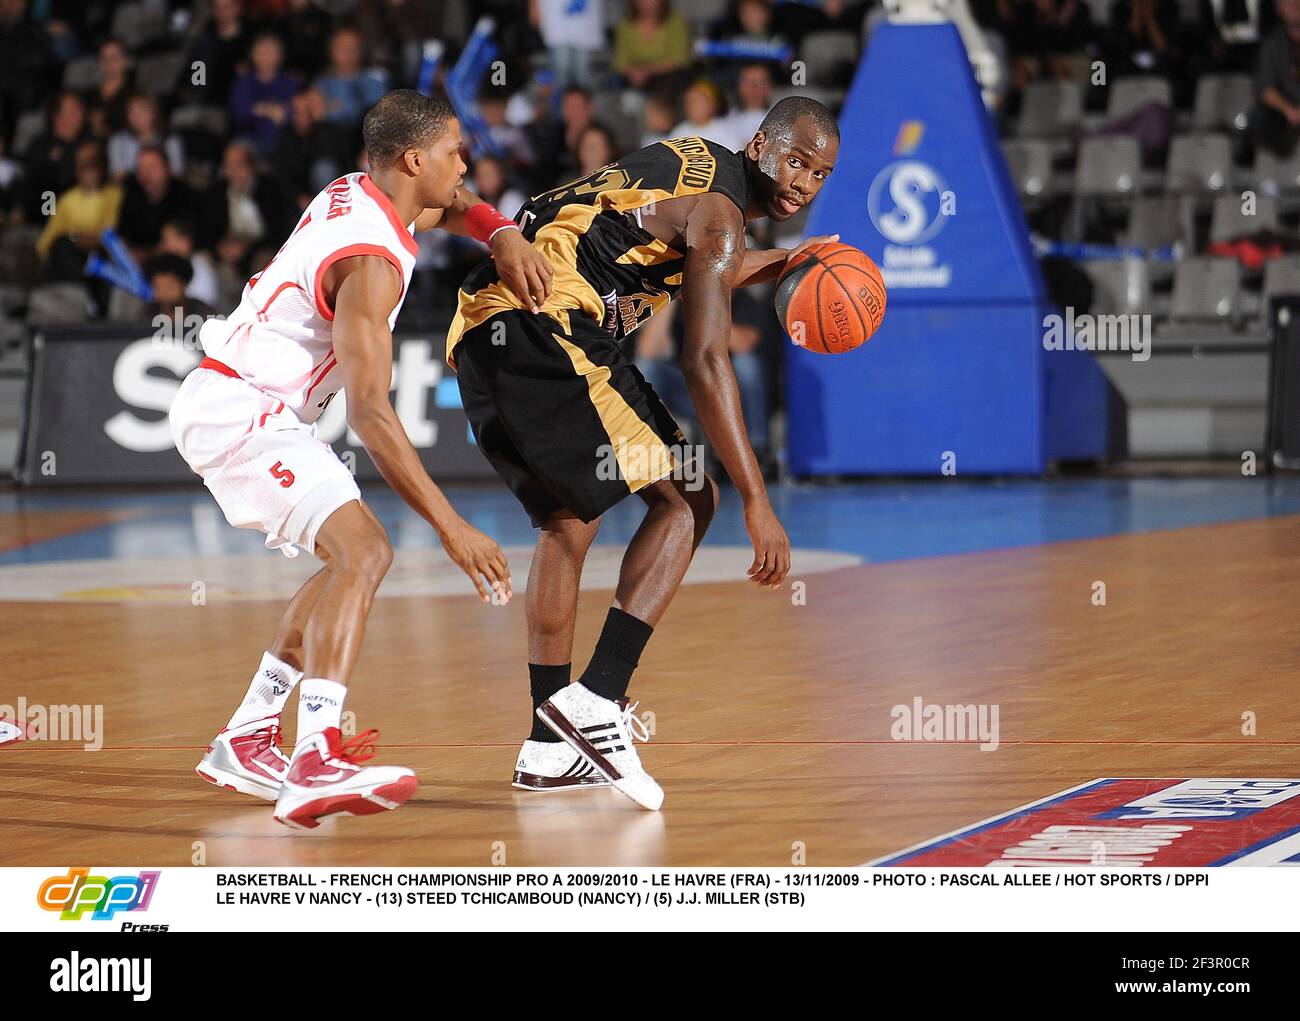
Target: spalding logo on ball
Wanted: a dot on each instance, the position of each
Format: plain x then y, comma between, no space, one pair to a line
830,298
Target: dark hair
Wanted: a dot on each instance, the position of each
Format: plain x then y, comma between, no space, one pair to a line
781,118
170,265
158,150
181,226
403,119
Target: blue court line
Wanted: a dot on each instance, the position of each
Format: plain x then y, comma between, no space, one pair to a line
879,521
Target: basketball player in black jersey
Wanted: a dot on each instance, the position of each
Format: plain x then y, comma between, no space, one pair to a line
554,403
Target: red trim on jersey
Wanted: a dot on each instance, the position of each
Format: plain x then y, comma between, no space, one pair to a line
348,252
329,366
386,204
222,367
284,286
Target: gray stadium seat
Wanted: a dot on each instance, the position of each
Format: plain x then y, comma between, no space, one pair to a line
81,74
1120,286
1223,101
1030,163
827,55
1127,94
58,305
1230,221
1157,221
157,75
1281,276
139,23
1207,290
1108,165
1201,162
29,126
701,13
1050,109
1277,175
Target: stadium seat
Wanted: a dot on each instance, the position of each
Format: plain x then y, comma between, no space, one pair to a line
81,74
1281,276
157,75
1030,163
1128,94
1050,109
829,56
1223,101
1108,165
138,24
1277,175
701,14
1231,221
58,305
1120,286
29,126
1207,290
1157,221
1200,162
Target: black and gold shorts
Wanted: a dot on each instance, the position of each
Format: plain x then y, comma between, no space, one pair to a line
562,414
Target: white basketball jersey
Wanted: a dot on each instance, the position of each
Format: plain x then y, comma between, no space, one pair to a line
280,338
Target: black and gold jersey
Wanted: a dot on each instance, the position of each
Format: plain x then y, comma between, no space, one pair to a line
607,266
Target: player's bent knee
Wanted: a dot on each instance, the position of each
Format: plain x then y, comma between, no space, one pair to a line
703,502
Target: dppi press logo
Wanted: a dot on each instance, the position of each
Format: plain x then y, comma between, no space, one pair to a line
78,892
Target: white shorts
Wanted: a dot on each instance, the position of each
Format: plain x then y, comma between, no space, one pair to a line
266,469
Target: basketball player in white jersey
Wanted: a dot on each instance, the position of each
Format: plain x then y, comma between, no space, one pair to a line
316,321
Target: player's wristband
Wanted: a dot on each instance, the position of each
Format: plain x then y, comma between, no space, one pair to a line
484,222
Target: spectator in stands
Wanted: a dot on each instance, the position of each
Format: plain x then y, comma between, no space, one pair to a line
1044,35
557,143
652,45
1230,32
51,158
1142,38
144,126
310,152
349,88
703,105
221,46
594,149
750,30
1277,84
393,33
178,239
81,215
243,204
260,98
660,118
510,140
754,92
306,30
574,32
25,63
151,197
169,277
492,185
108,99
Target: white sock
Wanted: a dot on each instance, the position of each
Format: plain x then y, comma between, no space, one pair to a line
268,692
320,706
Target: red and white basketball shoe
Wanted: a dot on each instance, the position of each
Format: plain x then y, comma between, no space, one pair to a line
325,778
601,732
553,766
247,759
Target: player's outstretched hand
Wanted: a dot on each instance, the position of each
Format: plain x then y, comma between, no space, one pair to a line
824,239
481,558
522,268
771,546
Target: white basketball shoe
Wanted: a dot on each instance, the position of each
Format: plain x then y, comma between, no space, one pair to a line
247,759
601,731
326,778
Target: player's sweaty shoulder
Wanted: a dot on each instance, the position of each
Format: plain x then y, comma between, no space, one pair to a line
670,220
715,234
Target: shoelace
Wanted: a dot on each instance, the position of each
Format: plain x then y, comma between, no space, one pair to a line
635,725
360,748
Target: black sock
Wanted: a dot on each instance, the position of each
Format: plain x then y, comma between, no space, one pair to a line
617,652
545,681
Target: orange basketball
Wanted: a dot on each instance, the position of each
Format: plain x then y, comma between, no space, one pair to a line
830,298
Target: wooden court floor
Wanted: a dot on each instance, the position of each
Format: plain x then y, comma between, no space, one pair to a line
772,720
